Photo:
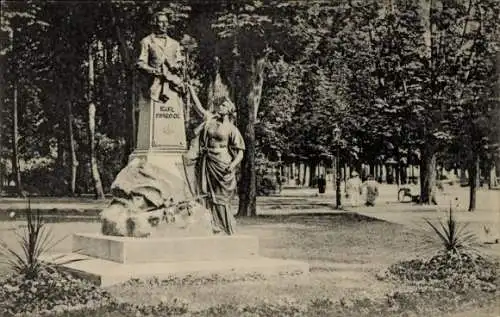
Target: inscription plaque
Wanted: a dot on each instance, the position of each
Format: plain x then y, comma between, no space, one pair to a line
168,125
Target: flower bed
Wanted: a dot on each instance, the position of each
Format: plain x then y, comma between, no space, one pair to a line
51,291
455,271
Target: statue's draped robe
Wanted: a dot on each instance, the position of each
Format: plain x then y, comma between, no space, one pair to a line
214,183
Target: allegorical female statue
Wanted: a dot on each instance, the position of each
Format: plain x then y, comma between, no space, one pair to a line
217,150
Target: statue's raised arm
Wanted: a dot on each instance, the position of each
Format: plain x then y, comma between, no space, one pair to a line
202,112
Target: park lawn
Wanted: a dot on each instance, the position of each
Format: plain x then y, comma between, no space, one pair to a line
344,250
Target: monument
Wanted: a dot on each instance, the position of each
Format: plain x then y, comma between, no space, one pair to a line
158,224
154,184
161,137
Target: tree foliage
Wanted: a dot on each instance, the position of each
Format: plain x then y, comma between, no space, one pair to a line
404,80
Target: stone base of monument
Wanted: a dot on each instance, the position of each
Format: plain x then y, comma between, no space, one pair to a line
165,159
107,260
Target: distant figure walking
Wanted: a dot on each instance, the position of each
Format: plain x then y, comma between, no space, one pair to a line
371,190
353,189
434,191
322,184
278,181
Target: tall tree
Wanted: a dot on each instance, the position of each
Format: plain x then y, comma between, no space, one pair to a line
15,141
242,28
98,190
17,20
414,56
250,31
72,141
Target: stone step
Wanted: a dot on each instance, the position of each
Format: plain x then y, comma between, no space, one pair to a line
129,250
106,273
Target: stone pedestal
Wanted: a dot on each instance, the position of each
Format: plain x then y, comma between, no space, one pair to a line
161,125
147,250
161,135
107,260
168,160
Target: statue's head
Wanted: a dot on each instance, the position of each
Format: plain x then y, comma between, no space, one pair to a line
160,21
224,106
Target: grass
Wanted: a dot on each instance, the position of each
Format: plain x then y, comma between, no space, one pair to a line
344,252
34,241
489,309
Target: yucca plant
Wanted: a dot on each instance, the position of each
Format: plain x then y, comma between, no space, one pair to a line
453,236
35,240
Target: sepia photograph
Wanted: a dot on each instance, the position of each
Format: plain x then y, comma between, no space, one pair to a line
253,158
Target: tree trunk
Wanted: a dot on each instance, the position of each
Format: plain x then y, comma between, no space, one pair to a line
130,121
335,171
60,160
60,164
427,175
130,117
312,173
304,175
404,174
358,168
248,106
398,167
94,169
425,14
15,140
345,175
72,144
473,181
59,171
3,65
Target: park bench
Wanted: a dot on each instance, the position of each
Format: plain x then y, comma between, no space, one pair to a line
404,192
